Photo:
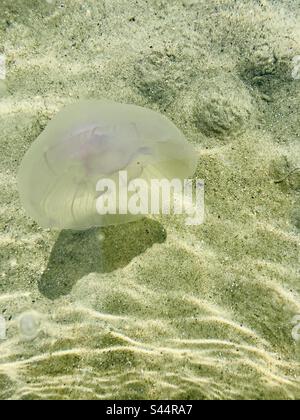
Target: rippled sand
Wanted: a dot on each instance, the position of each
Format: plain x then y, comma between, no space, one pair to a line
155,309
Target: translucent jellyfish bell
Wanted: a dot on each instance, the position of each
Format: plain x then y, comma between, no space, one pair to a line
29,325
94,140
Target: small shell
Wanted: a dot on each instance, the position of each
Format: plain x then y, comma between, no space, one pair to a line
29,325
2,67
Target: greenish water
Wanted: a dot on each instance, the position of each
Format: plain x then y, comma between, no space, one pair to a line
155,309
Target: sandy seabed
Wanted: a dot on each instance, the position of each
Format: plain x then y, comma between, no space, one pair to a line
155,309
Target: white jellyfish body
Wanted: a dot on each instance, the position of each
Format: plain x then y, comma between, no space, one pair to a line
91,140
29,325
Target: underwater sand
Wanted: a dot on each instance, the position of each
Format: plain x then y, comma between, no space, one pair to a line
156,309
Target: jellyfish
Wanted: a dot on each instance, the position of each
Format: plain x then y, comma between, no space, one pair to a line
93,140
29,325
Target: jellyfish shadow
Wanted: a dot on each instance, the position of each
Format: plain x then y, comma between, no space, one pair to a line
98,250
